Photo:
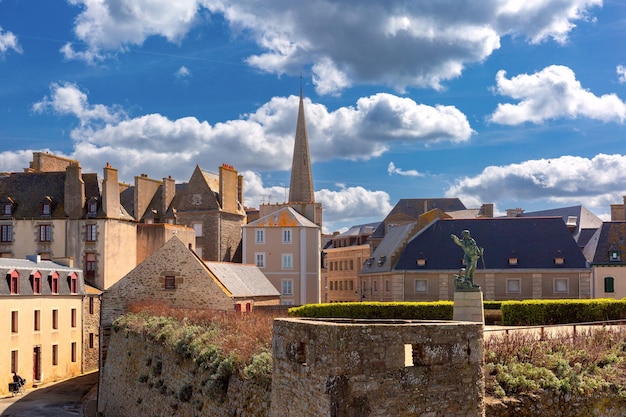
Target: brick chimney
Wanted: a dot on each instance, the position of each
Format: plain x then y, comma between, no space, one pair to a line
486,210
111,193
74,194
229,188
145,188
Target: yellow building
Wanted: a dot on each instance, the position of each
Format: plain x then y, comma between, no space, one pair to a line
42,302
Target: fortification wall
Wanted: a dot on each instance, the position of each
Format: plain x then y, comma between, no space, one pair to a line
144,378
345,368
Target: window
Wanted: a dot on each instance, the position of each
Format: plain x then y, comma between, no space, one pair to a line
73,358
91,305
54,283
91,341
170,283
37,320
614,256
513,261
55,319
15,282
559,260
90,266
561,285
14,322
73,317
7,209
92,207
287,287
14,362
90,233
197,227
375,286
197,199
6,233
351,264
286,235
387,286
55,355
421,285
45,209
45,233
259,236
609,284
37,283
287,261
514,285
73,279
260,259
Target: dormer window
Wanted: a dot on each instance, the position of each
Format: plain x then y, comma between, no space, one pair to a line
559,260
614,256
382,260
92,207
7,209
421,261
513,261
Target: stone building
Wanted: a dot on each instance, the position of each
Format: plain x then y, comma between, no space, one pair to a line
43,303
524,258
343,259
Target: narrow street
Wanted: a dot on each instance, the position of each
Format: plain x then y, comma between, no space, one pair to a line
61,399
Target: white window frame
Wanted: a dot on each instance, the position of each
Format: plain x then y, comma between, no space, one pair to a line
259,236
286,287
287,236
557,281
287,261
420,286
259,259
510,286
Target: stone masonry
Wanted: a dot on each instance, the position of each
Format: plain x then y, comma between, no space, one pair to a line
350,368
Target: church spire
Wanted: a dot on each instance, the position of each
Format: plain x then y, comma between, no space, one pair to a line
301,185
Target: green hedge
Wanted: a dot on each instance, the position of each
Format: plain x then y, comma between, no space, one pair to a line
438,310
540,312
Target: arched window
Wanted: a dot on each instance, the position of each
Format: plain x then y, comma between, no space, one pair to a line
37,282
54,283
73,281
14,282
609,284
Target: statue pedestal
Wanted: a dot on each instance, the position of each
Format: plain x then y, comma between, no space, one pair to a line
468,306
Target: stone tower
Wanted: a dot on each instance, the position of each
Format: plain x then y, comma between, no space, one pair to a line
301,185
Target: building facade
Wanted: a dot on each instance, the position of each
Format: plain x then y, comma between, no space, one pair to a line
43,303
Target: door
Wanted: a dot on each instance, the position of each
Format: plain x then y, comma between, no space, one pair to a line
37,363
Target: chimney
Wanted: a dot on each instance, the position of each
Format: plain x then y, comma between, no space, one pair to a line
516,212
240,189
229,193
486,210
169,191
111,193
145,188
74,194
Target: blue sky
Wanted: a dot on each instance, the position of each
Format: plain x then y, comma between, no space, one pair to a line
516,103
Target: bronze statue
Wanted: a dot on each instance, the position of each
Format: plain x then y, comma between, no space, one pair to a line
465,279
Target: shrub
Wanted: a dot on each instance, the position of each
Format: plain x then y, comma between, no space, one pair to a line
543,312
437,310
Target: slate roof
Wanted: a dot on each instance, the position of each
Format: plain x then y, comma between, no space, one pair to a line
285,217
242,280
381,260
584,218
414,207
610,237
29,190
27,267
534,241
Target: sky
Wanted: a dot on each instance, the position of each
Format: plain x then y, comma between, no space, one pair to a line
512,102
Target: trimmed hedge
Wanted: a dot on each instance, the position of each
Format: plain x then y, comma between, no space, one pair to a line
437,310
541,312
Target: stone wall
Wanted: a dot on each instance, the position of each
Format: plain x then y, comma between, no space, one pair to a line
91,332
143,378
351,368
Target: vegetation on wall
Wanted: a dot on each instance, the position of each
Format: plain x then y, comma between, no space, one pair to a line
436,310
220,343
544,312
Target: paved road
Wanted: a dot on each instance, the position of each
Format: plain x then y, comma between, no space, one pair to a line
61,399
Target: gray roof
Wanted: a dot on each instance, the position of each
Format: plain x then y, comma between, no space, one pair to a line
242,280
26,268
381,260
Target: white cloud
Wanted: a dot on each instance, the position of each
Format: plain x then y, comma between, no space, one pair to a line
8,40
262,141
392,169
392,42
554,92
595,182
182,72
621,73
